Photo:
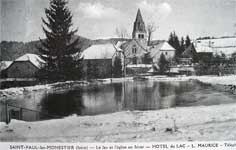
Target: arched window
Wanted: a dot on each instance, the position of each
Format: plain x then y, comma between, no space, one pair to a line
134,49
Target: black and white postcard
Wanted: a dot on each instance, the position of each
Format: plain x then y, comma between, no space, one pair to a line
118,74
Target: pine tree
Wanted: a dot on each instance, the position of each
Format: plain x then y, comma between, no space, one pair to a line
171,39
163,63
182,45
187,41
117,69
61,45
175,43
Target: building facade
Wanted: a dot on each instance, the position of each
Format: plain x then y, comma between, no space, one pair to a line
137,50
98,60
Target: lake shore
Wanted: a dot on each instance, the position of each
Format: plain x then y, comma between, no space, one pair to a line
199,123
213,80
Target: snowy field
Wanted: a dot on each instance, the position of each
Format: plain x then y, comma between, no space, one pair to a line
197,123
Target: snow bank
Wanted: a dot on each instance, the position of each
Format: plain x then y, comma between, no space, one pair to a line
223,80
54,86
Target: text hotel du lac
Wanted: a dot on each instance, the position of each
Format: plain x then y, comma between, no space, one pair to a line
121,146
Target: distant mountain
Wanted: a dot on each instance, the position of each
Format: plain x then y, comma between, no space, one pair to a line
10,50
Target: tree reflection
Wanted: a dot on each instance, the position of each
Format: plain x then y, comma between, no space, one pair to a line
63,104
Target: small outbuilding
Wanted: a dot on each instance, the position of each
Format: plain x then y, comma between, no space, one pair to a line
25,66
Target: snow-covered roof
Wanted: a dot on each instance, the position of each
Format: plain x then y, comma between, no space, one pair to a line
5,64
220,45
163,46
99,51
203,49
119,43
166,47
33,58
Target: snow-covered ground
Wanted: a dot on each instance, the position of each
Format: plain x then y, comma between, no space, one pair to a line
175,124
182,123
14,91
223,80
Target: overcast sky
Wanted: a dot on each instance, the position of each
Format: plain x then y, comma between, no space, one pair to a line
21,19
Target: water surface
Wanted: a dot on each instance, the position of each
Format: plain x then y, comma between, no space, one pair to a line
108,98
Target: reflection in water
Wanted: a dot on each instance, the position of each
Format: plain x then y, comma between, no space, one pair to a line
62,104
108,98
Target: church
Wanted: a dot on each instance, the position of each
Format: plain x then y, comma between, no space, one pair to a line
138,51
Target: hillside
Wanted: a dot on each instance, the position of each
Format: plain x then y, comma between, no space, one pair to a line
10,50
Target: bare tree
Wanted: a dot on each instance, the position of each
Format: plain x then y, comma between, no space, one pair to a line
121,32
151,27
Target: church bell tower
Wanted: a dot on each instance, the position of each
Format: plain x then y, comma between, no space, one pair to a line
139,31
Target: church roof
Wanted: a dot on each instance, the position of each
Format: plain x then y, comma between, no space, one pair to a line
155,42
139,23
127,43
139,17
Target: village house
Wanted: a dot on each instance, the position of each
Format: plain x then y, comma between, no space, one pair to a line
99,59
162,48
204,49
3,66
25,66
189,55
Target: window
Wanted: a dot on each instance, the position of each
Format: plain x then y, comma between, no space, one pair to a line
140,36
134,49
